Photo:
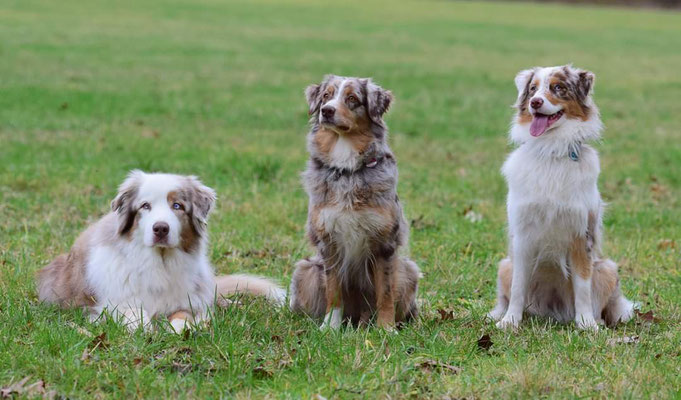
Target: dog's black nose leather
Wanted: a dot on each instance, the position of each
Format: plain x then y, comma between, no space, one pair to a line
328,112
536,103
161,229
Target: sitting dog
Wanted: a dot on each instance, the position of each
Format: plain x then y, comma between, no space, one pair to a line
147,257
355,220
555,267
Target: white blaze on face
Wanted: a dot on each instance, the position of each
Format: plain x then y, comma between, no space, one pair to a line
547,115
154,191
336,100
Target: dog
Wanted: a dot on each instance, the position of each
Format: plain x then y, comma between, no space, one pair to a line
355,220
147,258
556,268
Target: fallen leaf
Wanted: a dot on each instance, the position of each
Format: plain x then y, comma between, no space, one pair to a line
485,342
623,340
276,338
261,372
99,341
445,315
64,106
432,365
647,316
27,391
666,244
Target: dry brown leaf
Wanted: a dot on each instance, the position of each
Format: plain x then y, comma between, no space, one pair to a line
665,244
445,315
485,342
22,390
432,365
99,342
647,316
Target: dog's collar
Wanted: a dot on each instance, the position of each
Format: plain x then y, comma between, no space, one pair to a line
575,151
370,162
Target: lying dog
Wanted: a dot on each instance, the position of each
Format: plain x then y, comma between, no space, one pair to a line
147,257
554,209
355,220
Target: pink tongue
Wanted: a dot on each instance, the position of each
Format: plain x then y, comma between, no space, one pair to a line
539,125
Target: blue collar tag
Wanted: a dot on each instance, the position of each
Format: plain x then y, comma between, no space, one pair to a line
574,150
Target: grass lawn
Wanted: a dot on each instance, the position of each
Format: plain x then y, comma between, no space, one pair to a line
90,90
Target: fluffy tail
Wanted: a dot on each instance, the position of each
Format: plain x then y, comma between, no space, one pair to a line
230,284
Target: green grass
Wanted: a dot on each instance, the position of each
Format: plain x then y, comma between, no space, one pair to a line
90,90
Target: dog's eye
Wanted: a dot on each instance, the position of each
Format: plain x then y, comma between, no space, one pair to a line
557,87
326,96
146,206
352,99
533,88
178,206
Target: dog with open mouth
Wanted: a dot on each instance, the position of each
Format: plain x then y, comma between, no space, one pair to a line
555,266
355,219
147,258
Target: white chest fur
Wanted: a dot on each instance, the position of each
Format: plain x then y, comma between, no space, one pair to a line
343,155
550,198
352,229
138,277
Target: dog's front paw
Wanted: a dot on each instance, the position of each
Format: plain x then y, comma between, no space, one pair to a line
179,325
585,322
332,320
495,315
510,321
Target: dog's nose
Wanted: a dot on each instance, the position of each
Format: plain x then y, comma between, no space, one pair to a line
537,102
328,112
161,229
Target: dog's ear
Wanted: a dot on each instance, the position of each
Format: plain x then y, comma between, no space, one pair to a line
585,82
314,98
203,199
123,205
378,100
523,79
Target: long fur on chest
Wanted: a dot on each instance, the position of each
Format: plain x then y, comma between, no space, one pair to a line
354,217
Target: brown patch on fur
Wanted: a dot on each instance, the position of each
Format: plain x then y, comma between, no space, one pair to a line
189,237
385,287
182,315
63,281
505,275
568,96
605,281
524,115
580,261
325,139
571,107
334,297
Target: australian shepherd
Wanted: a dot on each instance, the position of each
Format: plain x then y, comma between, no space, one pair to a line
355,220
555,266
147,257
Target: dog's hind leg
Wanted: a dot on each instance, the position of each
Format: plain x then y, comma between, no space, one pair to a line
308,288
504,274
615,307
407,282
